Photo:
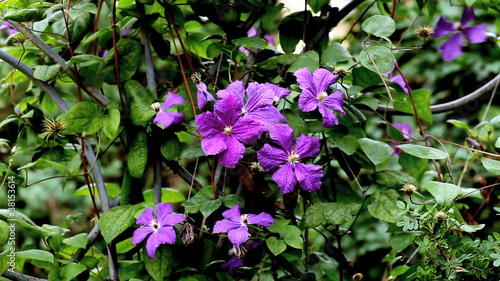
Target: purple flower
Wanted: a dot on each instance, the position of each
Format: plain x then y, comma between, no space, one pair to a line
159,228
167,118
203,95
289,157
8,28
225,131
314,86
398,79
405,129
452,48
259,102
233,265
278,91
235,224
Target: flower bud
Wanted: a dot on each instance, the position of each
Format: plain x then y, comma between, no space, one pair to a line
440,215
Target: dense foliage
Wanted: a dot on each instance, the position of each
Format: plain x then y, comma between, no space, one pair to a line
238,140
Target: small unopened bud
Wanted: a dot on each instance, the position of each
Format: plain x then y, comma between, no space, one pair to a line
341,72
187,234
424,31
440,215
156,106
408,189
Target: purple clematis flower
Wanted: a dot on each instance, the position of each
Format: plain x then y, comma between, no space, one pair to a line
8,28
225,131
159,228
166,118
259,102
235,224
405,129
279,92
232,265
288,158
452,48
203,95
314,86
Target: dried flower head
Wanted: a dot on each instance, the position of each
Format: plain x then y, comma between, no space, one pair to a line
53,128
440,215
357,277
187,234
424,31
408,188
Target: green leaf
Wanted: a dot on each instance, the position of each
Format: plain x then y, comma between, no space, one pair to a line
4,232
168,195
399,270
91,71
25,221
423,151
376,151
296,123
275,246
193,204
231,200
278,225
422,100
309,60
471,228
160,267
444,193
347,143
90,262
383,205
46,72
394,178
292,236
317,4
365,78
192,152
334,54
84,117
377,58
71,271
492,166
80,241
380,26
171,149
111,122
138,155
116,220
129,59
334,213
497,143
459,124
140,101
112,188
250,42
210,206
38,255
400,241
290,33
23,15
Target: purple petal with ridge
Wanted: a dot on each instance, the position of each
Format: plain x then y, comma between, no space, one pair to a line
285,178
452,48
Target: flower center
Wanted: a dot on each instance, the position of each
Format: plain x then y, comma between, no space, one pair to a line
156,106
322,96
293,157
244,218
228,130
154,224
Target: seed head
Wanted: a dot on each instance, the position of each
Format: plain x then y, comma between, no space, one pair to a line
53,127
408,188
424,31
341,72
